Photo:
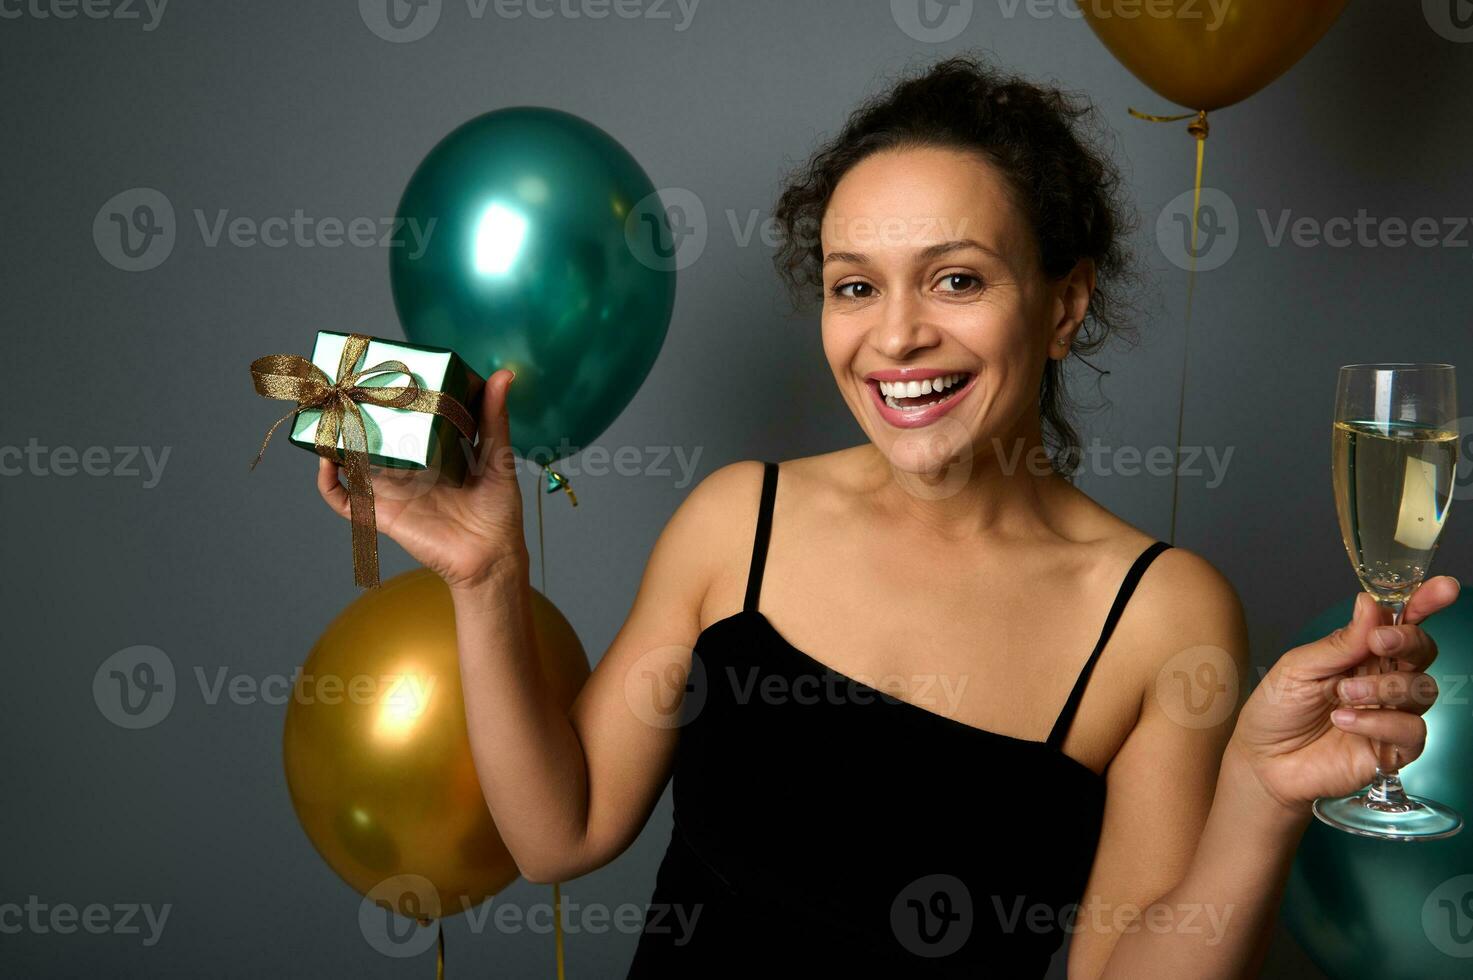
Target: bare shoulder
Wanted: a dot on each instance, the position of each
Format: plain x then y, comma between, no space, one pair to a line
1182,600
1183,595
721,509
706,543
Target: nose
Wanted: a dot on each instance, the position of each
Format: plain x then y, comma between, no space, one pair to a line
902,329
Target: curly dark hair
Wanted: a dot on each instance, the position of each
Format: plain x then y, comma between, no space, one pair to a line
1048,146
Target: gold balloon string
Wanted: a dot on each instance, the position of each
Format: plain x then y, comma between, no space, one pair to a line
557,929
1199,129
557,891
293,378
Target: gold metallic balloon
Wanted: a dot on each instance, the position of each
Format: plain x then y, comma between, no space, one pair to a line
1206,55
378,763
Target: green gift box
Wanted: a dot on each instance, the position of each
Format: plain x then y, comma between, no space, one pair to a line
401,438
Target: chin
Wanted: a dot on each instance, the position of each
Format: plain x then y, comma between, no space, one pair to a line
936,459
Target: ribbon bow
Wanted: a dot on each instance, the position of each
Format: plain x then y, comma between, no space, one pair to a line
294,378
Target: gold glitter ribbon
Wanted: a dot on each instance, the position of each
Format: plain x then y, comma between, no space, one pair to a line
294,378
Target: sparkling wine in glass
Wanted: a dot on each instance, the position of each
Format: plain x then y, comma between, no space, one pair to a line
1395,453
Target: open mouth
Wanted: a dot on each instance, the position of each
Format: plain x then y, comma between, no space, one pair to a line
918,396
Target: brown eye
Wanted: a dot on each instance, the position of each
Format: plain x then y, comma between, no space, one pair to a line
960,282
861,290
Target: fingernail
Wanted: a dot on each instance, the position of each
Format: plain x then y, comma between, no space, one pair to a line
512,378
1388,639
1343,716
1354,688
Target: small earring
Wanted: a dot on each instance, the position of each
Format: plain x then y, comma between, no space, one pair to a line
1061,342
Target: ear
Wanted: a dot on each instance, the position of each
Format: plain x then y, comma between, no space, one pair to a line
1072,294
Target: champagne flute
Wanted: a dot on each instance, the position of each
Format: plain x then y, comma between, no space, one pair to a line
1395,452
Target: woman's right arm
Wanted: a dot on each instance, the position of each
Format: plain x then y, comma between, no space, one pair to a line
569,789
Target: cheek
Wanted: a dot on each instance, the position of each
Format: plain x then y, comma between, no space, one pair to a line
840,342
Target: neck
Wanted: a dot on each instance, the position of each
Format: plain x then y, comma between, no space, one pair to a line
1006,487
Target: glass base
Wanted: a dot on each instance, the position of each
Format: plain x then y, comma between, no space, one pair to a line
1408,818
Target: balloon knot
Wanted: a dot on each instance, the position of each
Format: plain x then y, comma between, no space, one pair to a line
1198,127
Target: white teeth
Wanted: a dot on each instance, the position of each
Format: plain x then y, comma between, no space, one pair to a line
914,389
891,390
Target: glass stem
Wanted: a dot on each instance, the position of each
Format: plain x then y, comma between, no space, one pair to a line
1386,785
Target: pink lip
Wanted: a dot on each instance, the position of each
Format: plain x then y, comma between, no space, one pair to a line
908,374
914,419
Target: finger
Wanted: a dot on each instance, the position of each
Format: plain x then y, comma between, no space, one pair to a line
392,483
1410,646
1406,732
1432,595
1342,649
494,455
332,491
1410,692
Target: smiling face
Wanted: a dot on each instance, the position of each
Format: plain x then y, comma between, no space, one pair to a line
938,319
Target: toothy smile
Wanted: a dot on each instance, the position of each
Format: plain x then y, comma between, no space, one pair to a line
919,395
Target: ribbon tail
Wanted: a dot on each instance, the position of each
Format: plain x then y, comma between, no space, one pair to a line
344,414
365,537
269,433
360,502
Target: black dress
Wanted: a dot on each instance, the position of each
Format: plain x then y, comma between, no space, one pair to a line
823,825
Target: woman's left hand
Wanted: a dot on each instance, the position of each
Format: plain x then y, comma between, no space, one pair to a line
1305,731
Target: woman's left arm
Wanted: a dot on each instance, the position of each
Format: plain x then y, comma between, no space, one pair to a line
1203,816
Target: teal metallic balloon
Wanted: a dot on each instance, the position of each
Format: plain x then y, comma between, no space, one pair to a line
548,253
1393,910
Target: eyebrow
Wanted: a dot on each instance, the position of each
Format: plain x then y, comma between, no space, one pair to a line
926,254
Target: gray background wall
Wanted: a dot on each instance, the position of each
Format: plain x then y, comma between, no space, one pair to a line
266,107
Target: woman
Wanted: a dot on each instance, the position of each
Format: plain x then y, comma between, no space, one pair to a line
931,718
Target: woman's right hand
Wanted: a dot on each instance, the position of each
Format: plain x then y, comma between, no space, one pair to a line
461,533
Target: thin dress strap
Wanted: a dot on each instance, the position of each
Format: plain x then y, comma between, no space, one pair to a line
1132,578
764,529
